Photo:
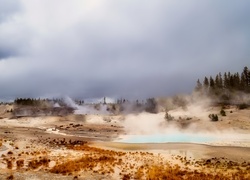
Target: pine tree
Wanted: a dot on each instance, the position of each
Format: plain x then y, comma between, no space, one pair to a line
226,84
245,79
236,81
242,82
247,76
248,81
220,81
212,86
229,81
217,81
206,83
211,82
198,86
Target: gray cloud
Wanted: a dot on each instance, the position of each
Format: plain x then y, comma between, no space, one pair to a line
133,49
7,8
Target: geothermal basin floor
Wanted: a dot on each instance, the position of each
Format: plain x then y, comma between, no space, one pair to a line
67,148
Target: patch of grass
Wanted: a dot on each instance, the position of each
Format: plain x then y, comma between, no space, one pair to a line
86,163
9,164
106,162
176,172
20,163
34,164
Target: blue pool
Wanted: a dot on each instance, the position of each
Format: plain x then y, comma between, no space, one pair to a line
164,138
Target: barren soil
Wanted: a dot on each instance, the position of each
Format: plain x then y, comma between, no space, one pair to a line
84,147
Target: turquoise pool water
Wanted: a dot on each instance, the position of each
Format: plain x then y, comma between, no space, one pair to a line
165,138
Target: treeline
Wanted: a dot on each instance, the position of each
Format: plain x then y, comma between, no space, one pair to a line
148,105
29,101
38,102
225,84
228,81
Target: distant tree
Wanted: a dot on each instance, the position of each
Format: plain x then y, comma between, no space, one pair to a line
247,76
206,83
231,82
217,81
236,81
198,86
246,73
226,81
212,85
151,105
242,82
220,85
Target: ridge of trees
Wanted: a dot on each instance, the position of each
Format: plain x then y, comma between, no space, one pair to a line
40,102
28,101
223,85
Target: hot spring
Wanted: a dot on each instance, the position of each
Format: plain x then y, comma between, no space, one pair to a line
165,138
231,139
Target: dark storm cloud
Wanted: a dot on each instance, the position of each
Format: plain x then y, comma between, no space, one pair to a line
119,48
5,53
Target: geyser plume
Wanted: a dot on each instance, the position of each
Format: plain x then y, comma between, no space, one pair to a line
69,102
86,108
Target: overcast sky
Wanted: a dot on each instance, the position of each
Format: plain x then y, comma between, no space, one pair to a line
118,48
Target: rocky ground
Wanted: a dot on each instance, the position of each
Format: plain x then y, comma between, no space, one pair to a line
84,147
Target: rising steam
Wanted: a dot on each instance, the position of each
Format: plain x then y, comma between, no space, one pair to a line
190,124
85,109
